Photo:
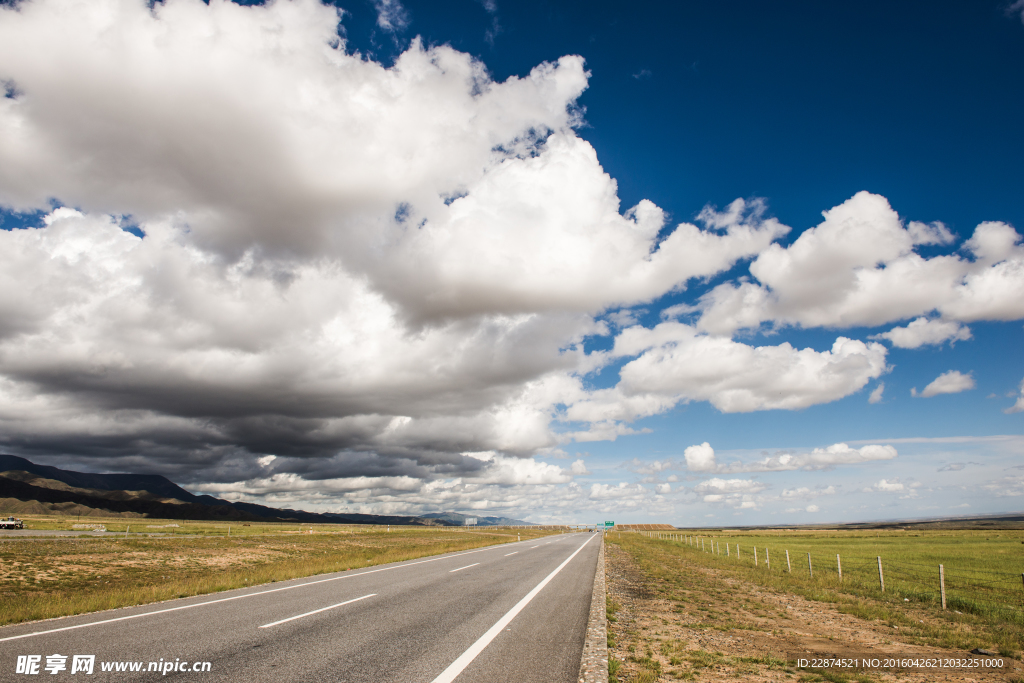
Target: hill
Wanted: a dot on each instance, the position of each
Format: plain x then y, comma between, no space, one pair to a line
25,485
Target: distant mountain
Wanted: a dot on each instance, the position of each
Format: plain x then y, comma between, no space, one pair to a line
25,486
150,495
459,519
154,483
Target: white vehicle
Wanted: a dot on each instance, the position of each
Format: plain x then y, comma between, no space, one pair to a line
12,523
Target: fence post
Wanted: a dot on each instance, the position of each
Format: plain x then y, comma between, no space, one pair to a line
767,559
755,555
737,551
881,579
727,552
126,530
942,585
789,567
839,566
810,569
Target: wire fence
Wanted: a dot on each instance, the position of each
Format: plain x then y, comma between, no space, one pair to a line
955,587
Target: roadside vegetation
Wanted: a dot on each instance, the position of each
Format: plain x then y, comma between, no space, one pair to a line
45,577
694,610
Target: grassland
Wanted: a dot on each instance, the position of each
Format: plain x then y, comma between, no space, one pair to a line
982,569
985,597
60,576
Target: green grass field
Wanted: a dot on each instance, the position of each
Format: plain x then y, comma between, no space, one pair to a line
59,576
982,570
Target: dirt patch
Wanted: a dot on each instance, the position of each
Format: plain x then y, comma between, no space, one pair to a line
701,624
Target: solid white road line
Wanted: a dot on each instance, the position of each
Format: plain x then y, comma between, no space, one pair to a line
456,667
466,567
512,553
317,611
246,595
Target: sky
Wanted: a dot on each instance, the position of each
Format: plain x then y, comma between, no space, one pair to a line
700,263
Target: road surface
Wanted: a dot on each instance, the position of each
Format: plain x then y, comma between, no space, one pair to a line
514,612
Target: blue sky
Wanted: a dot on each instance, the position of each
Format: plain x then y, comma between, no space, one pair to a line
403,257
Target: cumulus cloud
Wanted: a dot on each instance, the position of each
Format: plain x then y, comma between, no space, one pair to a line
335,256
876,394
293,273
952,382
701,458
924,331
859,268
677,363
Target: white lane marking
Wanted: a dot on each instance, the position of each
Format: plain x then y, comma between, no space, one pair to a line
456,667
322,609
536,546
515,553
466,567
247,595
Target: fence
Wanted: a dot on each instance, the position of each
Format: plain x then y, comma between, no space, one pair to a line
948,586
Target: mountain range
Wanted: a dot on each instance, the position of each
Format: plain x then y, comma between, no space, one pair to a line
27,488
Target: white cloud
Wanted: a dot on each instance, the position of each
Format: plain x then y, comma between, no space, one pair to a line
806,493
337,255
952,382
700,458
812,508
886,486
717,485
579,468
676,363
391,15
373,284
876,394
929,233
859,268
736,493
924,331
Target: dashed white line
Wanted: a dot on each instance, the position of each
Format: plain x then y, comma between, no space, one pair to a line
512,553
536,546
245,595
316,611
456,667
466,567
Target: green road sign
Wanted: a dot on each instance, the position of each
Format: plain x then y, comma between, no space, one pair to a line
609,523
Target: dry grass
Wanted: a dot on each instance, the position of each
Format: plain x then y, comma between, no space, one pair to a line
58,576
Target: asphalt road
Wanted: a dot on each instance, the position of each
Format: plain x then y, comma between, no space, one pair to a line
514,612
